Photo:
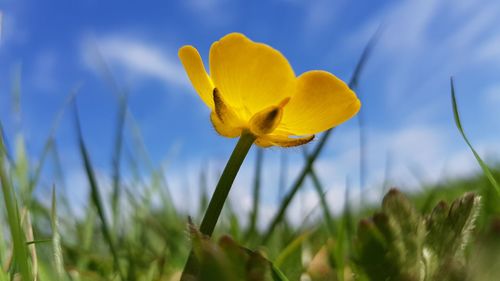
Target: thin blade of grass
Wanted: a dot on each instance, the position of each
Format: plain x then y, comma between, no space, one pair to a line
295,188
56,237
59,177
339,250
95,195
21,170
256,193
360,116
87,234
283,174
289,260
133,126
318,187
17,235
345,232
291,248
277,274
117,154
348,215
49,142
204,193
458,123
5,144
3,245
28,229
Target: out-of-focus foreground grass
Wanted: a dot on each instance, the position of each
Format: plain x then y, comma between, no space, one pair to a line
442,233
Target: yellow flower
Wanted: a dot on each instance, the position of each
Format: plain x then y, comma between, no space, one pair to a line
252,87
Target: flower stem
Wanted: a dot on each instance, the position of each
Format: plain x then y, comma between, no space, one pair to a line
220,195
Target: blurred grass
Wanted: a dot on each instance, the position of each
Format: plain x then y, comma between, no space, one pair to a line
127,236
148,241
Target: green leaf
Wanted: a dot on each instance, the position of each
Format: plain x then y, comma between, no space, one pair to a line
228,261
390,245
449,230
483,165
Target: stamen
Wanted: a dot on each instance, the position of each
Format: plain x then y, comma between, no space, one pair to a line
265,121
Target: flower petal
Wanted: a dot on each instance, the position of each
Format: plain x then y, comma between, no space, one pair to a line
283,141
251,76
191,60
321,101
224,129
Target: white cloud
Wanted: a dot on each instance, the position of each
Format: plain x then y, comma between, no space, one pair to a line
407,24
319,14
423,43
136,58
212,12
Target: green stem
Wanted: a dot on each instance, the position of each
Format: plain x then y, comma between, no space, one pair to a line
219,197
225,182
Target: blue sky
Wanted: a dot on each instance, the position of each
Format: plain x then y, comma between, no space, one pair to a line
404,88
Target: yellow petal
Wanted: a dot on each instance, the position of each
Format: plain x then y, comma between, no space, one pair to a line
222,128
251,76
321,101
283,141
196,72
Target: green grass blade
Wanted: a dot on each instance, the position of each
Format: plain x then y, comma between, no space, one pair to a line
59,177
277,274
318,187
283,174
18,237
4,144
256,193
117,153
289,260
204,193
50,141
96,197
56,238
295,188
133,126
87,235
360,116
3,244
291,248
458,123
21,170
